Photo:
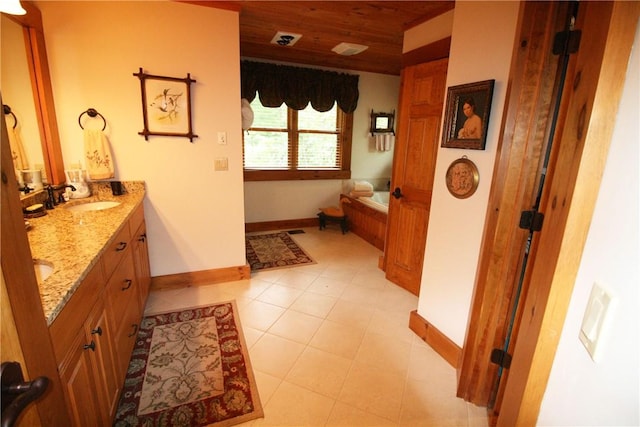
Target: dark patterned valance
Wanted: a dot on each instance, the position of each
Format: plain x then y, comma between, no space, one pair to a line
296,86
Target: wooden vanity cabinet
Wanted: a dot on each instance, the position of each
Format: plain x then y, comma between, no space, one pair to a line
83,345
95,332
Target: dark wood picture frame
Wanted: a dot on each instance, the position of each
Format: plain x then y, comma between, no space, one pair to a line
460,131
166,105
382,122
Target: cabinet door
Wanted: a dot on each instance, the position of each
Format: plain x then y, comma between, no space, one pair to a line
78,381
141,261
107,382
123,311
125,336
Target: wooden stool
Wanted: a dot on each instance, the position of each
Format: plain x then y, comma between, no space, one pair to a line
322,218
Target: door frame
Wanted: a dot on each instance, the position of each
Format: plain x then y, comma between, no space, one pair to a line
593,90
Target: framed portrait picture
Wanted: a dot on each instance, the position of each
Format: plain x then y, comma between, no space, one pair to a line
467,115
166,105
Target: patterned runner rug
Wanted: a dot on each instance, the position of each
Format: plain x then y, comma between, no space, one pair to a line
275,250
190,368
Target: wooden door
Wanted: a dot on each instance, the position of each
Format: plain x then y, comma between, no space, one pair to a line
422,96
23,296
10,351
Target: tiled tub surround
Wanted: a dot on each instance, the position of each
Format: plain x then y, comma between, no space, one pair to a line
74,241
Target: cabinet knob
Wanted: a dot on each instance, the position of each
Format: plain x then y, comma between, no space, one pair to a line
97,330
121,246
134,331
142,237
128,284
91,346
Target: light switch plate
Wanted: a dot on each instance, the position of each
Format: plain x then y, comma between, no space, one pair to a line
222,138
221,164
596,319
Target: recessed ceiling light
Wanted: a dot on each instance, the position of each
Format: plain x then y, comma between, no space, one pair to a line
348,49
283,38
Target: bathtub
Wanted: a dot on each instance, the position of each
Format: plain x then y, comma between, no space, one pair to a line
379,201
367,217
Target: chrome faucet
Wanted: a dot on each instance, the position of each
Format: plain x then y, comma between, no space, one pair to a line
51,201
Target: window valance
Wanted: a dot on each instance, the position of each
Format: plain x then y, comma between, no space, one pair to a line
297,86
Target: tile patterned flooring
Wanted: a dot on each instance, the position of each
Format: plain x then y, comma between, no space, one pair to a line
330,345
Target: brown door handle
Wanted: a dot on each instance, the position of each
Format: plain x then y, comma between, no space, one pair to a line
16,393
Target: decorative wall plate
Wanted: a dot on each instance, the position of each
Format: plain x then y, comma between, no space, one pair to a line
462,178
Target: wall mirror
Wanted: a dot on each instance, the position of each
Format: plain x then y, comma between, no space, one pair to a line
382,122
26,89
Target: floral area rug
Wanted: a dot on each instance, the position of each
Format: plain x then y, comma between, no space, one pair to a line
190,368
275,250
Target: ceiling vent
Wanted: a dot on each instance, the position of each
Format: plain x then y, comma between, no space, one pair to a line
348,49
285,39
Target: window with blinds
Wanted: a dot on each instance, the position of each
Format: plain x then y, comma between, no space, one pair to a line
284,143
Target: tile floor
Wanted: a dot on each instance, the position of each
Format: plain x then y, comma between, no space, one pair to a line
330,345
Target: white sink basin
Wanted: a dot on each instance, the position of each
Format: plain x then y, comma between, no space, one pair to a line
43,269
92,206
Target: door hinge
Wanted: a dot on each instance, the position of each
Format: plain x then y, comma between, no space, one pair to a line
501,358
531,220
567,42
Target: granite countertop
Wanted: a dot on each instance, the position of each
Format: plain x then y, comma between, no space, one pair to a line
74,241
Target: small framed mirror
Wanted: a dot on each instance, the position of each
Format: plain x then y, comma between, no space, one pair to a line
382,122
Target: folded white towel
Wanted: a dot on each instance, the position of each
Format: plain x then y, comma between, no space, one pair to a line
357,194
362,186
98,154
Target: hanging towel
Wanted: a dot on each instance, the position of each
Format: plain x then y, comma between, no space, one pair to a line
20,160
98,154
379,141
389,139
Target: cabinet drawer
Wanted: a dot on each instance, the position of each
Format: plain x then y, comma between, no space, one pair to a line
121,288
116,250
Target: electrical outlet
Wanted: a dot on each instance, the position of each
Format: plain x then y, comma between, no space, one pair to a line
222,138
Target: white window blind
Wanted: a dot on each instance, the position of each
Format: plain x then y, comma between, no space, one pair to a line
286,139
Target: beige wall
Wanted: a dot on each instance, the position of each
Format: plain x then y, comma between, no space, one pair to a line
431,31
456,225
195,215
